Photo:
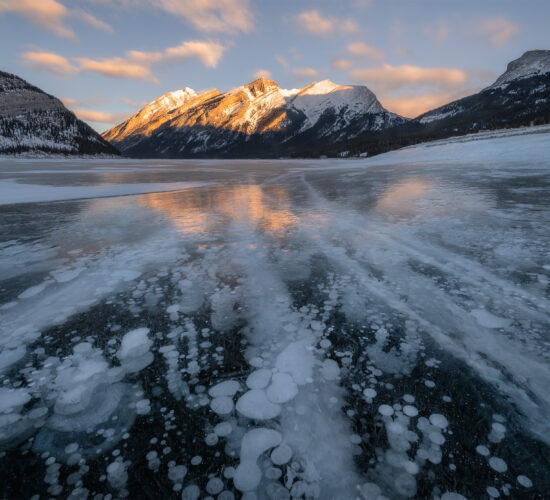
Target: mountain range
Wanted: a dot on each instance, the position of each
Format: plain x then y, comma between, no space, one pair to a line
261,119
257,119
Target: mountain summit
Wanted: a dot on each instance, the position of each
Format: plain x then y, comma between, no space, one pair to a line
256,119
520,96
532,63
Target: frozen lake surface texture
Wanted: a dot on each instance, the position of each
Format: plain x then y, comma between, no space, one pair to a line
369,329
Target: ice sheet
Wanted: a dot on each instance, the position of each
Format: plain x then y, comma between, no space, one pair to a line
12,191
370,329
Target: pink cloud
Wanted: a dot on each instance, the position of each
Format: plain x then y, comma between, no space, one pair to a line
51,15
413,106
439,30
363,50
317,24
100,116
48,61
48,14
212,16
135,65
282,61
91,20
498,30
305,72
117,67
209,53
341,64
394,77
263,73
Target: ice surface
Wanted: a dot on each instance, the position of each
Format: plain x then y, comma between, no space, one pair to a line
524,481
134,353
307,328
225,388
259,379
221,405
15,192
11,400
254,443
282,388
296,360
498,464
488,320
256,405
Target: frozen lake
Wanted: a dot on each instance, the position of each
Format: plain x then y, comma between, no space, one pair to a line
373,329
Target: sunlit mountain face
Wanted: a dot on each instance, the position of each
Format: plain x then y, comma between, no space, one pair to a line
250,120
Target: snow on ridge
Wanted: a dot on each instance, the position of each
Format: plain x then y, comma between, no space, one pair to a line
317,97
532,63
441,115
167,102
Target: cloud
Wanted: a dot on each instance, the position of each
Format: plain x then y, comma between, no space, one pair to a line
117,67
395,77
133,104
69,102
282,61
364,50
305,72
439,30
315,23
91,20
48,14
90,115
412,90
498,30
341,64
412,106
212,16
135,65
100,116
51,15
262,73
209,53
361,4
48,61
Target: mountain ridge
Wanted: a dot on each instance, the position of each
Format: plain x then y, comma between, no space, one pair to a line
252,117
531,63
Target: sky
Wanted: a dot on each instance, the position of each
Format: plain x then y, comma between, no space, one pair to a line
107,58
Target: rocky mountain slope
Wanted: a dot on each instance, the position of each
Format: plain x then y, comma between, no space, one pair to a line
32,121
519,97
257,119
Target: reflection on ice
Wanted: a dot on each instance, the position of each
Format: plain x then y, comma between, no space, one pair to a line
417,198
291,334
203,211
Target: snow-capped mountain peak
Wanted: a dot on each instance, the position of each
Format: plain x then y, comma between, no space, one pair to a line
532,63
166,103
152,115
349,100
183,123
